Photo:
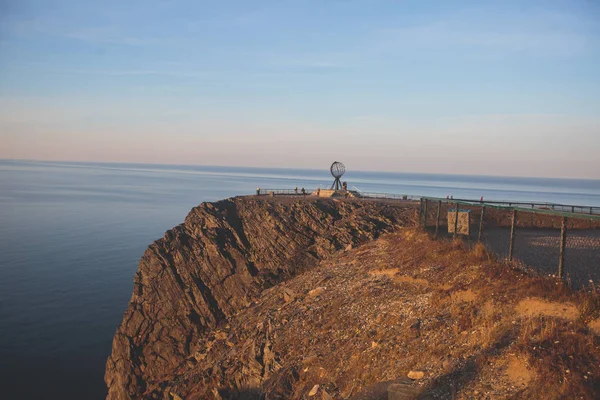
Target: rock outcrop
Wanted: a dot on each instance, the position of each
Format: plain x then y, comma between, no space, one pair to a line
217,263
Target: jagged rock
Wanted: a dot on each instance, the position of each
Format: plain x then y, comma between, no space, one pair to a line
217,263
402,391
325,395
397,389
416,375
288,295
310,360
316,292
447,365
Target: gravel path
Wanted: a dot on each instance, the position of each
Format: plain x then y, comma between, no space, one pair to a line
539,249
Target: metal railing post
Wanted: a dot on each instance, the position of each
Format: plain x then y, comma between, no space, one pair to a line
437,218
456,222
481,224
563,244
512,235
425,215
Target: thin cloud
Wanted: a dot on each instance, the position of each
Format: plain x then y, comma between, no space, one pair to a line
109,34
311,61
537,43
49,68
51,26
543,34
134,72
108,39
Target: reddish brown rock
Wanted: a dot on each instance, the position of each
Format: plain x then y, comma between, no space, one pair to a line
217,263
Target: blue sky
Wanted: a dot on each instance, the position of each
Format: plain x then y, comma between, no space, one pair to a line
501,87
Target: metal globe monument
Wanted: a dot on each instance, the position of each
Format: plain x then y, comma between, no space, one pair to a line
337,169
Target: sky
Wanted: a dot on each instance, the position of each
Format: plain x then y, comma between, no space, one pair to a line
460,87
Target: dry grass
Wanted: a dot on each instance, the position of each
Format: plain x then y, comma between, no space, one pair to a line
494,309
482,253
534,306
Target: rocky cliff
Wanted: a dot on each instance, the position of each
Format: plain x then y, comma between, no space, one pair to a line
216,264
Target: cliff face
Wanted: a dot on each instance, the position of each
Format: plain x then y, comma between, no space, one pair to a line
217,263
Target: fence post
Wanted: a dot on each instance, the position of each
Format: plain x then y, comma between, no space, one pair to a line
563,244
532,216
437,219
481,224
512,235
456,221
420,211
425,214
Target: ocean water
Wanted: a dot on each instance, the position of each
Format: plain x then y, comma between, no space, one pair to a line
71,235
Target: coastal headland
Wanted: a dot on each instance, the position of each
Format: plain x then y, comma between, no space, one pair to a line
258,297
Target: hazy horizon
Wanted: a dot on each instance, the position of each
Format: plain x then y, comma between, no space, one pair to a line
461,87
323,168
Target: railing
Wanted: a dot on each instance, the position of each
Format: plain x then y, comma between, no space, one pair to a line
540,207
387,196
287,192
355,193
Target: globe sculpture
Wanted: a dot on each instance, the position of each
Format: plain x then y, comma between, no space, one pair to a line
337,169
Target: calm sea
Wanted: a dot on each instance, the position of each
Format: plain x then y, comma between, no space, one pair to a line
71,235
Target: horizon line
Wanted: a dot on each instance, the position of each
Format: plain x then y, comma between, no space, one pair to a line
289,168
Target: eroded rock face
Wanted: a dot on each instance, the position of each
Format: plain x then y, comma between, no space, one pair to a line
216,264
